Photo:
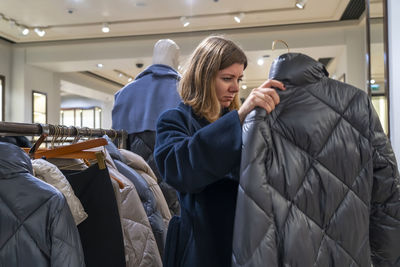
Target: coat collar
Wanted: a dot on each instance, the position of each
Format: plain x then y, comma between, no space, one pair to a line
13,160
297,69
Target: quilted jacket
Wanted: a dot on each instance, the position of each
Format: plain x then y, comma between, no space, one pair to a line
36,225
319,182
143,145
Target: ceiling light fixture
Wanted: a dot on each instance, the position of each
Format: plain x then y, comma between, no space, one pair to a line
238,18
185,21
244,87
260,61
24,30
105,28
99,65
39,32
300,3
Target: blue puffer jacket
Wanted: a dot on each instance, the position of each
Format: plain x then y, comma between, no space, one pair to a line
36,225
319,184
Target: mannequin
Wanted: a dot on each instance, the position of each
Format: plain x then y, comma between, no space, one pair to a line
166,52
138,105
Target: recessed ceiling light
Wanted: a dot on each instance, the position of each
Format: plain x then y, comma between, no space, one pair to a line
99,65
105,28
238,18
300,3
260,61
185,21
244,87
39,32
24,30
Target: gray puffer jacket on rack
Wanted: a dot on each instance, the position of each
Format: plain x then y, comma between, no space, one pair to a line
319,184
36,225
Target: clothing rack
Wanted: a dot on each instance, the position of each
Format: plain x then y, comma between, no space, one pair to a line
14,128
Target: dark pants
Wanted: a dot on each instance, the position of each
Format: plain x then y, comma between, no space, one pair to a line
100,233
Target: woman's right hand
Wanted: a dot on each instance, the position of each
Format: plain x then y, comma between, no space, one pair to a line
264,96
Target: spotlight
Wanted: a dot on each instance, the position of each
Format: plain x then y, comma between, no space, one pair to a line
260,61
238,18
185,21
99,65
130,79
300,3
105,28
39,32
244,87
24,30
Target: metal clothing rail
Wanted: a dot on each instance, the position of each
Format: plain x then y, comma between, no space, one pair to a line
15,128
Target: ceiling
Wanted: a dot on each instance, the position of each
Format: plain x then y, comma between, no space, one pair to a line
82,19
66,20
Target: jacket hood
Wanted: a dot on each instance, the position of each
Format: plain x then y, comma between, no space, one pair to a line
13,160
297,69
159,70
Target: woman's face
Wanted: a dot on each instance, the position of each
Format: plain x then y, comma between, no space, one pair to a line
227,83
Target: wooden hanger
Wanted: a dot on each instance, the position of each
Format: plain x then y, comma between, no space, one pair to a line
75,151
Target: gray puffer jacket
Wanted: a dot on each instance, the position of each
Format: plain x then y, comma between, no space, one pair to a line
319,183
36,225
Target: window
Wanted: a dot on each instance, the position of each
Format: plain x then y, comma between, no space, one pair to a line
39,107
2,94
380,104
81,117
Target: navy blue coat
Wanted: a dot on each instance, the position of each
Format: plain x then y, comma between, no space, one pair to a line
201,160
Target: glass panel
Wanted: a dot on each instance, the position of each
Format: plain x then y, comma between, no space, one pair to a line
88,118
78,117
98,118
380,105
68,115
39,108
377,61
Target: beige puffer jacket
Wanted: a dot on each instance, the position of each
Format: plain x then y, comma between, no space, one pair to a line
140,245
140,165
50,174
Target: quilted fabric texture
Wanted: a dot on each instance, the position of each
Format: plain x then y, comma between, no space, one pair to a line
319,183
143,145
36,225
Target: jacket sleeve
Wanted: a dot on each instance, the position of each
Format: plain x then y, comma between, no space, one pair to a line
385,200
66,248
190,163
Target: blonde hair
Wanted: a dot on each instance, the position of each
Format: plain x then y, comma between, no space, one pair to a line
197,86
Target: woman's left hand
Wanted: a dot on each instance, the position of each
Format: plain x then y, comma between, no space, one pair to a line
264,96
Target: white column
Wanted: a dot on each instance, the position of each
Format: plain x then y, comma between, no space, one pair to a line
394,72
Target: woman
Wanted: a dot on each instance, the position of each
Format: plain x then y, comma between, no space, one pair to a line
198,150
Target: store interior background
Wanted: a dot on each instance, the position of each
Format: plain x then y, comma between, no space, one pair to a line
58,78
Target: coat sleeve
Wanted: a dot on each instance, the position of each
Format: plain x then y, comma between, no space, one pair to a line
66,248
190,163
385,201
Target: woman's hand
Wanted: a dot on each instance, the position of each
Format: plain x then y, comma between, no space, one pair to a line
263,96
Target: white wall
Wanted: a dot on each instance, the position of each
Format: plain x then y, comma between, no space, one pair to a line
5,69
41,80
24,80
394,71
355,40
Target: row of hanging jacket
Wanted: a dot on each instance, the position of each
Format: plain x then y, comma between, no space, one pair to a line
71,207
